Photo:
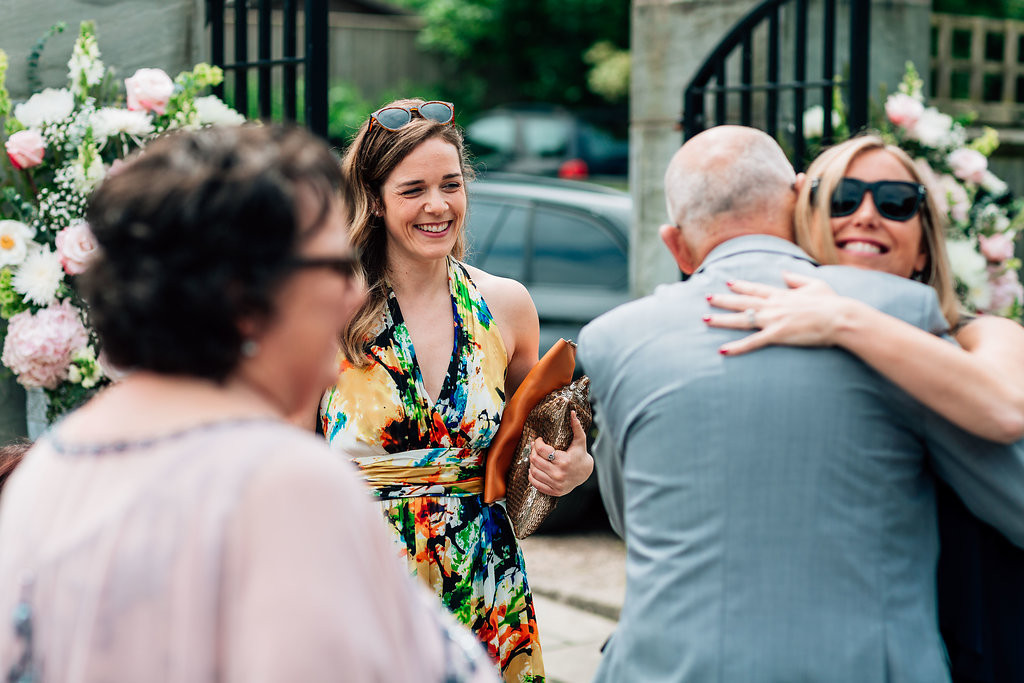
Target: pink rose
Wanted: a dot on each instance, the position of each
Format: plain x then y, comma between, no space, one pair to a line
76,247
903,110
149,90
996,248
968,164
1006,289
39,346
25,149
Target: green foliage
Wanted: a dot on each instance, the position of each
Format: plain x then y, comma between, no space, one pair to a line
34,84
609,76
999,9
520,50
11,303
65,398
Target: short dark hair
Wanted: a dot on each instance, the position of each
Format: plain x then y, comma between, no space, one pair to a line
11,454
195,232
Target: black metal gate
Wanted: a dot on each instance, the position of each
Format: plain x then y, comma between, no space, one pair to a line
711,80
312,59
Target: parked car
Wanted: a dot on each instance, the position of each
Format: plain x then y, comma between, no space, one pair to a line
544,140
568,242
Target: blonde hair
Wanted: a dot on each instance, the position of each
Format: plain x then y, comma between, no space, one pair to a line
367,163
813,220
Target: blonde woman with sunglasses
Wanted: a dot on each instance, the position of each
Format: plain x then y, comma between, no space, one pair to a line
427,365
866,204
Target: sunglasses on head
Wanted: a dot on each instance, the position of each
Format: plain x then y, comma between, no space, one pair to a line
896,200
394,117
345,266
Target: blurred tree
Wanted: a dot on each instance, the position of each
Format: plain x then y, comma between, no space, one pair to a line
503,51
1000,9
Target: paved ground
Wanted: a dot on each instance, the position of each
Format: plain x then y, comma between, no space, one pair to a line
578,582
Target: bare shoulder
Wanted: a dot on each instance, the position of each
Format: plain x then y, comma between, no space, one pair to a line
992,331
508,299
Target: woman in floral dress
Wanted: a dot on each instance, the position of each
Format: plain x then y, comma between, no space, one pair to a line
428,363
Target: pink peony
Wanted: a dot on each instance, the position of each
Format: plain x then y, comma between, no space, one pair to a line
996,248
76,247
903,110
968,164
1006,289
39,346
25,149
149,90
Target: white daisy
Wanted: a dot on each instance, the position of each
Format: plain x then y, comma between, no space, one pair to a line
15,239
113,121
39,276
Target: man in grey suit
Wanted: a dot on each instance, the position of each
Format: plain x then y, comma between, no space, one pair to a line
778,507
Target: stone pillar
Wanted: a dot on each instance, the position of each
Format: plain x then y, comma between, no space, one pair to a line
670,41
131,33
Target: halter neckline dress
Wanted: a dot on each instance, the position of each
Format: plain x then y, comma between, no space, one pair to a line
424,463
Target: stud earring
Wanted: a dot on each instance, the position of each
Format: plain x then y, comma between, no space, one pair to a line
250,347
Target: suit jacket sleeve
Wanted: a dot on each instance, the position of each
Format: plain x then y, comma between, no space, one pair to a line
608,455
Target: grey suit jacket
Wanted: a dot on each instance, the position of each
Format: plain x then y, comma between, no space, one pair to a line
778,507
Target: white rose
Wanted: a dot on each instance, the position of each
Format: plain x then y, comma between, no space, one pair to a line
49,106
933,128
213,112
113,121
39,276
993,184
814,121
15,240
971,269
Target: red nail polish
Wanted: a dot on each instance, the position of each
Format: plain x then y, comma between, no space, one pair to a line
708,297
724,352
706,318
730,283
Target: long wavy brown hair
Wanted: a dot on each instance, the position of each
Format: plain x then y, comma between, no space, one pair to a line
814,226
367,163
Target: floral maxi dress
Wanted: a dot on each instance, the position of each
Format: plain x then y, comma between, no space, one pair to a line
425,465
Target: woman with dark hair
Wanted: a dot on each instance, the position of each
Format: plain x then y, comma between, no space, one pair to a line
176,527
429,361
866,204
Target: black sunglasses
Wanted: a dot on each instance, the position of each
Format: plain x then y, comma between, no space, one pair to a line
394,117
345,266
896,200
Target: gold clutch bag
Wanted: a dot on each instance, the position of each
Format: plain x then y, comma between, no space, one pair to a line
550,419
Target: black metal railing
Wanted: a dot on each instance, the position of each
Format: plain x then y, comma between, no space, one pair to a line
711,80
313,58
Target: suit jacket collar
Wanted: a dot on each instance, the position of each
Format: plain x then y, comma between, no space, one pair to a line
754,243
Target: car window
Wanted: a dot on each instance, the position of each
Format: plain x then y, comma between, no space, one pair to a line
575,249
497,233
546,137
492,135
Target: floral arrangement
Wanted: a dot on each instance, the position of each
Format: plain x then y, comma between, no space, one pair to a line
984,219
60,145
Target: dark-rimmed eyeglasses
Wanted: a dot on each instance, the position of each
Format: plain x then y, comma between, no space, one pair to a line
896,200
394,117
345,266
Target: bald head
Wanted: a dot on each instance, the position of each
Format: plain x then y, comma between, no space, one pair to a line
728,177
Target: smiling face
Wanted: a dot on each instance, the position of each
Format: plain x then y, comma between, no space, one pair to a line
424,201
865,238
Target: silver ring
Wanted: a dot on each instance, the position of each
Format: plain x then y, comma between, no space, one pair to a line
751,317
551,456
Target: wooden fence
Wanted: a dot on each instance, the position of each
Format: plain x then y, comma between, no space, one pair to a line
978,65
